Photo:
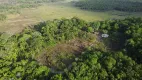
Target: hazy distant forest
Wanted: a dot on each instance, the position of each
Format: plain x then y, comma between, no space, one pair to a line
104,5
74,49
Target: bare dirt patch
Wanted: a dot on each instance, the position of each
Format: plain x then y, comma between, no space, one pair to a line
63,54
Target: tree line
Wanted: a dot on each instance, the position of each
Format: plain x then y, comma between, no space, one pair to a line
105,5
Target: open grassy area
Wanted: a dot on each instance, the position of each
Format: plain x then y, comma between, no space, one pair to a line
17,22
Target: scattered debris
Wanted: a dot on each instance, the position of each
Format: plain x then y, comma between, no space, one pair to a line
105,35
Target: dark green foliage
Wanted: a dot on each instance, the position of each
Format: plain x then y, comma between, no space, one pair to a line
61,30
18,52
127,33
16,57
104,66
134,41
23,70
57,77
105,5
90,29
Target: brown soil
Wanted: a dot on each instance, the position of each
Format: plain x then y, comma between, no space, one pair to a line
74,46
65,52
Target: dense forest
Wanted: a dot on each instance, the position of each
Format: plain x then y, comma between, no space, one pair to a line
116,57
105,5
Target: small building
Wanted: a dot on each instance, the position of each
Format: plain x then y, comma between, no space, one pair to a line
105,35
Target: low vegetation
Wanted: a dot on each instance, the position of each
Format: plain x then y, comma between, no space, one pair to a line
23,13
14,6
39,52
2,17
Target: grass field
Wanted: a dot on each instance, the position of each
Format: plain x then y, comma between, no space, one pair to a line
17,22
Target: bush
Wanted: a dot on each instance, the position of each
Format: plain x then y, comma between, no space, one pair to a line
2,17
